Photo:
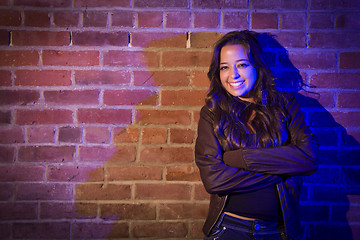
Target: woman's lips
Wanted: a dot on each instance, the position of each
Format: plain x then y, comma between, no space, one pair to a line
236,84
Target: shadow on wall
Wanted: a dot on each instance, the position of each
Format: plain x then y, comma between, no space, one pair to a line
123,194
326,195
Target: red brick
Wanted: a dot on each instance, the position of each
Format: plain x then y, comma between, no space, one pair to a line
178,19
112,154
161,3
40,38
235,20
200,192
12,211
44,191
206,19
131,58
95,19
130,97
160,229
183,211
103,3
348,21
5,79
347,119
292,39
5,229
97,135
102,191
186,59
92,38
161,78
183,97
70,134
336,80
321,21
264,20
21,173
43,3
158,40
37,18
348,99
40,134
4,37
4,3
19,58
116,173
334,40
182,173
167,155
126,135
349,60
293,20
195,230
100,230
10,18
154,135
122,19
89,77
19,97
66,19
313,60
48,116
78,173
127,211
150,19
279,4
178,135
162,191
11,135
163,117
6,193
46,153
218,4
59,210
72,97
333,4
200,79
70,58
42,78
41,230
204,39
5,117
110,116
7,154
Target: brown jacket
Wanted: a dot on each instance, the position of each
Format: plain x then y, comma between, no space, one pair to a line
248,169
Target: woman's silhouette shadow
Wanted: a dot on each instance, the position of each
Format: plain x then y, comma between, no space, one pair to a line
327,194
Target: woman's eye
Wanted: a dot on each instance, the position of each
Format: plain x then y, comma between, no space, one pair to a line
223,67
242,65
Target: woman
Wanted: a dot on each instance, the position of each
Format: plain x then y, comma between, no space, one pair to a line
251,141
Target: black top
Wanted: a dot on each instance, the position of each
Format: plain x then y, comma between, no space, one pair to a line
262,204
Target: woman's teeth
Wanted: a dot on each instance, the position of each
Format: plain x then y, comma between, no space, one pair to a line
236,84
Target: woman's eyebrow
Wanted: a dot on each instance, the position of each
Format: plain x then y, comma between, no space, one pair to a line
240,60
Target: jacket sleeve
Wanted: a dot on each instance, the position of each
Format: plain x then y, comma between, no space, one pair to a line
217,177
296,158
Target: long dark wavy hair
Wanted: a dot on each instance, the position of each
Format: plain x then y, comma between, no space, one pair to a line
239,123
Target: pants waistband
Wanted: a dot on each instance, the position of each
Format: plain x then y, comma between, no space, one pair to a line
251,225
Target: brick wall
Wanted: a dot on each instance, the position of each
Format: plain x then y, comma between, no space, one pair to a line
99,102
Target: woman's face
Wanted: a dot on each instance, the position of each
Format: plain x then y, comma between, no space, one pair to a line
237,75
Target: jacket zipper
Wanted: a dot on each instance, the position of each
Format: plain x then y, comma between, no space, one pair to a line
282,207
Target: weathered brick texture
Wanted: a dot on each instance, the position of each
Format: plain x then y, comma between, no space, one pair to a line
99,104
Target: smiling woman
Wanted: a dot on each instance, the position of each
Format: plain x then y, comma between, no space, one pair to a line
237,75
250,145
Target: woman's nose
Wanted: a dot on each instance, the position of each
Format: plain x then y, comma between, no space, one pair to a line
235,73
